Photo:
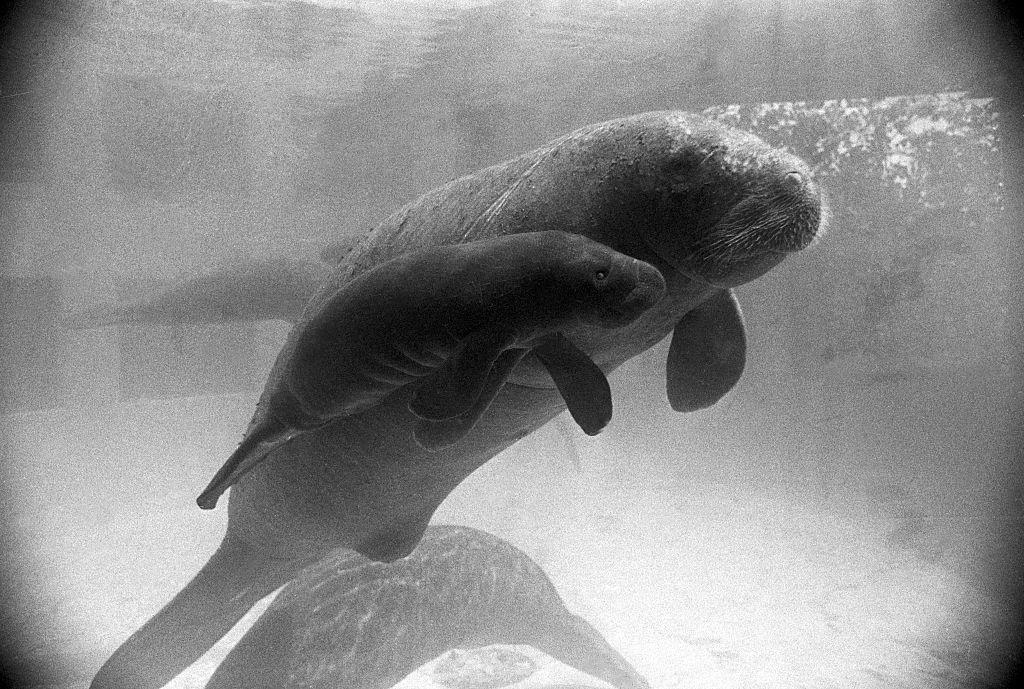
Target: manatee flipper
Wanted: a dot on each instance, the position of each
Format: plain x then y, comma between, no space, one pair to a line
258,443
454,387
433,435
572,640
707,354
581,382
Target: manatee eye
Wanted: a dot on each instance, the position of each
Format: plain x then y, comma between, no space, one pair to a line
794,178
600,275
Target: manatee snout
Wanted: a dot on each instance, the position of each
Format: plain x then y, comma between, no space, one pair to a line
635,286
799,212
780,215
784,216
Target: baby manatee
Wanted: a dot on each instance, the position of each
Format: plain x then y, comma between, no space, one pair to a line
452,321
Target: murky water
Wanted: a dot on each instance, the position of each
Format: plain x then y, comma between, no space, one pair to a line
847,516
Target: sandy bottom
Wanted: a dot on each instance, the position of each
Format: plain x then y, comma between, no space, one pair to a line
707,585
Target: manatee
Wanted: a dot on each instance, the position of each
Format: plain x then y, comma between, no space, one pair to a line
270,288
456,319
252,290
711,207
347,621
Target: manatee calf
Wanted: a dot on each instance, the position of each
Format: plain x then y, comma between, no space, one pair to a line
709,206
457,319
350,622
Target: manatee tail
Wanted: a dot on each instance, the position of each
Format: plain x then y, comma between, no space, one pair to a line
270,434
261,660
235,578
573,641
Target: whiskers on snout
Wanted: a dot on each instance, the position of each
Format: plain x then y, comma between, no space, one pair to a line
755,227
760,230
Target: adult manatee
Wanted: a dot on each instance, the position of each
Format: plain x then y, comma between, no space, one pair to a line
350,622
709,206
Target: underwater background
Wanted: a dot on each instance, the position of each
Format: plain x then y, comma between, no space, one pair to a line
848,516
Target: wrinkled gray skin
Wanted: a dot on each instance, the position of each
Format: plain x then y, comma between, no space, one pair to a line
460,588
708,206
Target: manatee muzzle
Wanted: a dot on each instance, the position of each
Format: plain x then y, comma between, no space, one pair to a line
757,233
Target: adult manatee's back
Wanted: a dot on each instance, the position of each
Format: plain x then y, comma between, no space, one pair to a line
708,206
658,180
